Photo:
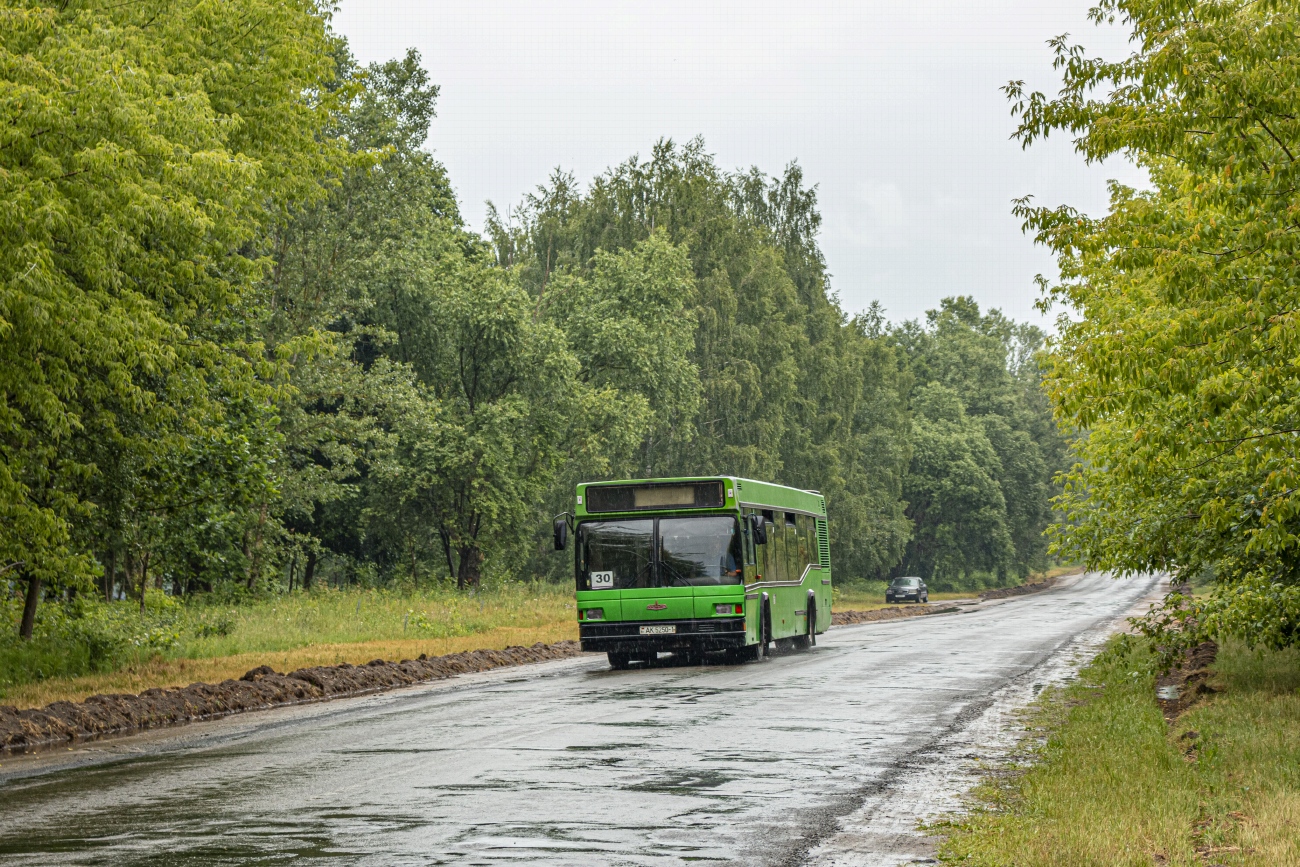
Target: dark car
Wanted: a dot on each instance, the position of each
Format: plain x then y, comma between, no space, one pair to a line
907,589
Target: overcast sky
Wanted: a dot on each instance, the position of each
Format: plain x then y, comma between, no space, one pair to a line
892,108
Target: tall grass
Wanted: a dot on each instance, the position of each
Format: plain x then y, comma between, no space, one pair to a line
1113,785
349,616
85,637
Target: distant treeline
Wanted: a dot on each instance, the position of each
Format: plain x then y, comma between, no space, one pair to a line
248,343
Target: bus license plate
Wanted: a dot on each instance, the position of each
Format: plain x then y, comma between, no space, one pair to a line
658,630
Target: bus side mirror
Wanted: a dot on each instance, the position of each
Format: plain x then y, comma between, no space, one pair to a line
561,530
758,529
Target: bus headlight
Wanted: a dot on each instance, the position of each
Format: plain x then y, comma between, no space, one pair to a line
595,613
728,608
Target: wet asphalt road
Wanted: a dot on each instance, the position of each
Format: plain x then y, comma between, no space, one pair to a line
559,763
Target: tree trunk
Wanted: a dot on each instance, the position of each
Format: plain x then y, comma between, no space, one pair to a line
471,562
447,552
144,580
110,574
255,565
128,575
29,607
293,568
309,573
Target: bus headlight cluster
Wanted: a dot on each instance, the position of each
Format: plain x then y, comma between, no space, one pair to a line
728,608
595,613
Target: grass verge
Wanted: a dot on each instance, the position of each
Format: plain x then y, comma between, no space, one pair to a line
175,644
1113,784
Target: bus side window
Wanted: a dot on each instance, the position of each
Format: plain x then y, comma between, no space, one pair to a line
808,539
766,554
748,538
796,549
776,567
793,562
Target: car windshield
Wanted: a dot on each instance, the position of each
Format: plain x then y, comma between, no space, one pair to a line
906,582
663,552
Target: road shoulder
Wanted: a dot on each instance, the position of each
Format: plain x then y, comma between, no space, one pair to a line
893,824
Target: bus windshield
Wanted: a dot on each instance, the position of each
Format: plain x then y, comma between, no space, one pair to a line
658,552
695,551
615,554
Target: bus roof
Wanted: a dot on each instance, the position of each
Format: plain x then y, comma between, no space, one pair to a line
739,492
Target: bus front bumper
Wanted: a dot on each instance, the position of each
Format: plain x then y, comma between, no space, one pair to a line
715,633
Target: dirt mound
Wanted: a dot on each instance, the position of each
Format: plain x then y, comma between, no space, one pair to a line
847,618
1018,590
261,688
1182,687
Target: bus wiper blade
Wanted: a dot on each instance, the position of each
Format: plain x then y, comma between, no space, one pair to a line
675,574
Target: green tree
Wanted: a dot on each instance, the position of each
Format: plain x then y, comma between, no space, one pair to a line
475,455
337,259
789,388
141,145
952,492
627,320
1173,361
990,365
433,399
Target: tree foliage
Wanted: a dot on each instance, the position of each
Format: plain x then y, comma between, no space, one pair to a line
1174,362
984,446
140,145
789,389
247,342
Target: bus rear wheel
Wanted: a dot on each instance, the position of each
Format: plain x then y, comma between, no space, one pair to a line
809,638
810,610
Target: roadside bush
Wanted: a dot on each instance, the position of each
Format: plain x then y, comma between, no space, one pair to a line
82,636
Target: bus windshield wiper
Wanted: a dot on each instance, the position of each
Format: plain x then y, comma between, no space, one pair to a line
675,574
644,570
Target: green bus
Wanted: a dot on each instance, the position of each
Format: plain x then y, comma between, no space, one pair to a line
696,565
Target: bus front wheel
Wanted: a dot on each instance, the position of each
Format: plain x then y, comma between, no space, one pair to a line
619,661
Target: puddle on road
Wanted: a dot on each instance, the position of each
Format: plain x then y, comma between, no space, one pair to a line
658,692
499,785
683,782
